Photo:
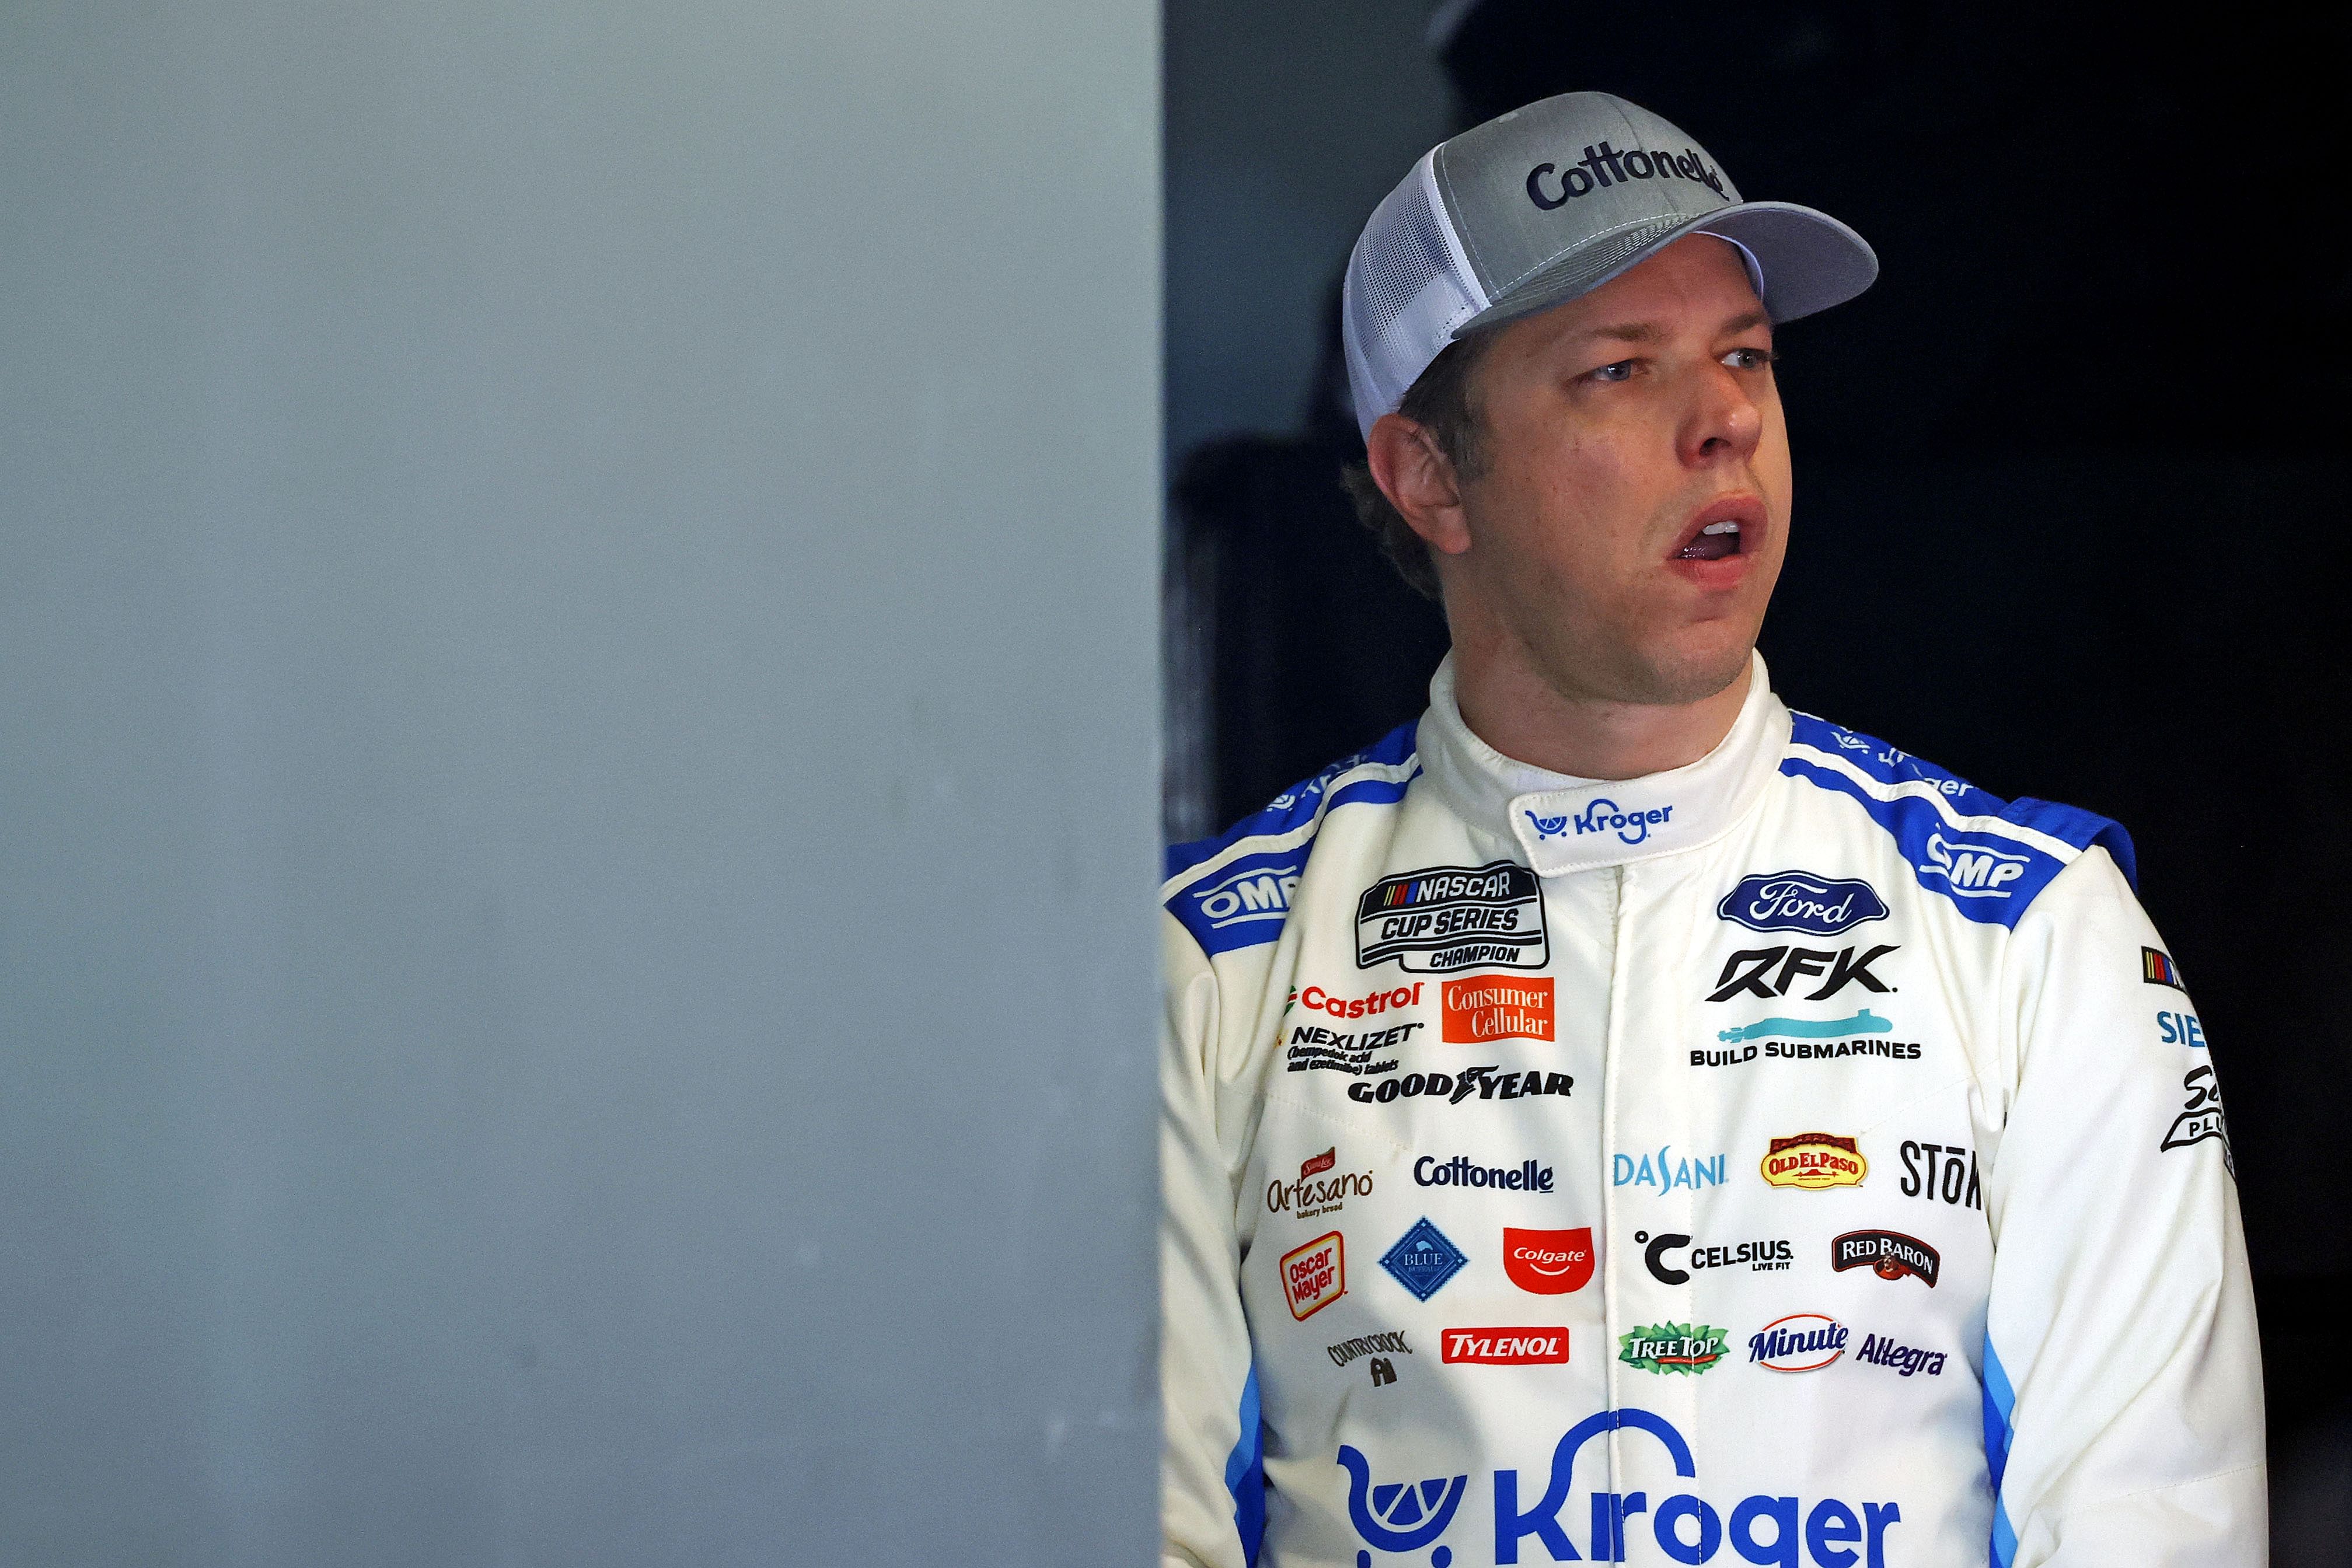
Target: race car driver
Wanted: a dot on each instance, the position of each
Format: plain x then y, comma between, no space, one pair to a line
1617,1118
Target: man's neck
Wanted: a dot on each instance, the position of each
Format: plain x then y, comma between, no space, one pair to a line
1516,711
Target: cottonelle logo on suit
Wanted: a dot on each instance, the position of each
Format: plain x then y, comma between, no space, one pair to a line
1442,918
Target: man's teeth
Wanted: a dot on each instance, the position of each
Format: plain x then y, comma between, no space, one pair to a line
1723,528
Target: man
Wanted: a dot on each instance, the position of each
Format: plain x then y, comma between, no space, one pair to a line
1617,1118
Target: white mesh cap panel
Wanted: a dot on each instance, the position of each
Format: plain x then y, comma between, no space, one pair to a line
1408,287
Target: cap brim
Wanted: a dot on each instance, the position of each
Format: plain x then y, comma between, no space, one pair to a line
1810,261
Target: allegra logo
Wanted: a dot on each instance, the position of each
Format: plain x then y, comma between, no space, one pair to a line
1506,1347
1603,817
1318,999
1315,1276
1800,901
1972,871
1813,1161
1495,1007
1547,1262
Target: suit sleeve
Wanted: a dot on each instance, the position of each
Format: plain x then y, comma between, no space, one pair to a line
1212,1474
2123,1381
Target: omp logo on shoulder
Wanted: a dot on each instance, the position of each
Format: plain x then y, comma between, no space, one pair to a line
1973,870
1800,901
1444,918
1260,892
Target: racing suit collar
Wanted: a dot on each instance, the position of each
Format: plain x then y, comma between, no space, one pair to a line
1566,824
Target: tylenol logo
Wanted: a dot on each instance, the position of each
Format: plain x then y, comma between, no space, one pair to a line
1497,1007
1548,1262
1315,1276
1508,1347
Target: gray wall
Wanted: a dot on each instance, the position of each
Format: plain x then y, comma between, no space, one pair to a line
577,782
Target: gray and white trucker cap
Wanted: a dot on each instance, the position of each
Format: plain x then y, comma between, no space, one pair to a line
1545,203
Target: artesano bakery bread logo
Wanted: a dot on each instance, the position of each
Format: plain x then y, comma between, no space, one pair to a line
1497,1007
1813,1161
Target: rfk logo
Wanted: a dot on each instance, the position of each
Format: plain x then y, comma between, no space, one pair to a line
1548,1262
1768,972
1315,1276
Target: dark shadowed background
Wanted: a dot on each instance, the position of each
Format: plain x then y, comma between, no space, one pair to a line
2068,477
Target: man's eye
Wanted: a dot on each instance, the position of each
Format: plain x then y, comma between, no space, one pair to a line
1620,371
1749,358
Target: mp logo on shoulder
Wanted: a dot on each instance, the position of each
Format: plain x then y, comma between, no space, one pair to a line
1444,918
1972,871
1800,901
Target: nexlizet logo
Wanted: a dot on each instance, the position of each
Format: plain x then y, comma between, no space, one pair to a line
1495,1007
1314,1276
1889,1254
1506,1347
1813,1161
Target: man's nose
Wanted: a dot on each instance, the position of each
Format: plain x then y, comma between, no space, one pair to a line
1723,420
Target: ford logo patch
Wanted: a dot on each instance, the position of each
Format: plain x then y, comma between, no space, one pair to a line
1800,901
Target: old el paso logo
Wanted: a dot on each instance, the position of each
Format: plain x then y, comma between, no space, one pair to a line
1444,918
1508,1347
1495,1007
1813,1161
1800,901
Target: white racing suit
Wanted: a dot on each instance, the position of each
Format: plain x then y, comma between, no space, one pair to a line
1799,1157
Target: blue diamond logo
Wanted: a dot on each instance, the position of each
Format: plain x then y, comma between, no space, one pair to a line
1423,1260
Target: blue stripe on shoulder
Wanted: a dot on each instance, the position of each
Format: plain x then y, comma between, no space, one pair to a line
1989,877
1245,1471
1999,1406
1246,901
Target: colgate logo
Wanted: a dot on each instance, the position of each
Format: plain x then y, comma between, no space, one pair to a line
1548,1262
1508,1347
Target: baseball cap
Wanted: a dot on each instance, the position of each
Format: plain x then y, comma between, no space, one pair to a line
1548,202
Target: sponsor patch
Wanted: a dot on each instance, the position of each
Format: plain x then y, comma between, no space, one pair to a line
1389,1343
1668,1172
1315,1276
2181,1029
1688,1348
1317,1191
1814,1161
1757,1257
2156,967
1444,918
1314,998
1547,1262
1359,1053
1768,972
1971,868
1889,1254
1455,1087
1505,1347
1800,901
1495,1007
1423,1260
2201,1118
1943,1171
1880,1350
1801,1341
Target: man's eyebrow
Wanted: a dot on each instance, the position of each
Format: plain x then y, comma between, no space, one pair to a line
1648,332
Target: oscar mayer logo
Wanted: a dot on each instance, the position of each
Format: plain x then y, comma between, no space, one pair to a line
1495,1007
1813,1161
1315,1276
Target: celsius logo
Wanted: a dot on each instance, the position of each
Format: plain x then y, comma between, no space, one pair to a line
1972,871
1409,1516
1547,827
1800,901
1261,893
1760,1256
1889,1254
1547,1262
1633,827
1605,166
1801,1341
1315,1276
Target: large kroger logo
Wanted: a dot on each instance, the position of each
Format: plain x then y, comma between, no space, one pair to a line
1397,1517
1602,816
1800,901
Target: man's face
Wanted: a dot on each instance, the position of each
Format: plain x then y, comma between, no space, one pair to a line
1629,512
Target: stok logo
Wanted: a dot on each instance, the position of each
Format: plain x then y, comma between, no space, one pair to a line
1750,973
1972,871
1761,1529
1889,1254
1506,1347
1547,827
1958,1183
1801,1341
1800,901
1315,1276
1760,1257
1261,893
1547,1262
1495,1007
1633,827
1604,166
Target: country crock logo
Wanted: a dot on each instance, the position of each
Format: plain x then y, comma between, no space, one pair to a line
1688,1348
1495,1007
1889,1254
1547,1262
1813,1161
1505,1347
1315,1276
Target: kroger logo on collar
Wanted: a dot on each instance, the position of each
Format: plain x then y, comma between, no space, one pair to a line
1800,901
1602,816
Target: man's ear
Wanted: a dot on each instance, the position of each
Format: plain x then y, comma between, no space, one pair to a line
1419,480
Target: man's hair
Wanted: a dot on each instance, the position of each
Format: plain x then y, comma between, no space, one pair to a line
1439,400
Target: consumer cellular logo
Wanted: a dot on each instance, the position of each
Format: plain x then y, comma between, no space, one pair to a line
1632,827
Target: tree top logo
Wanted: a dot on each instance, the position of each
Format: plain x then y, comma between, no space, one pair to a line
1688,1348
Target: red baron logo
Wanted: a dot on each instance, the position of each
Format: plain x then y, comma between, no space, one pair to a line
1320,1162
1315,1276
1548,1262
1508,1347
1318,999
1494,1007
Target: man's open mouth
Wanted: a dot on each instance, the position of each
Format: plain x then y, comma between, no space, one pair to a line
1713,542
